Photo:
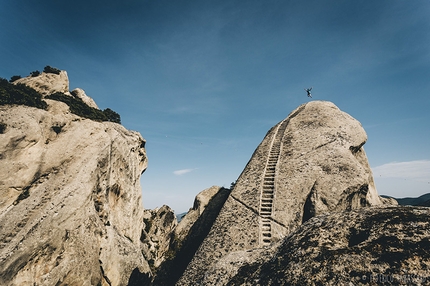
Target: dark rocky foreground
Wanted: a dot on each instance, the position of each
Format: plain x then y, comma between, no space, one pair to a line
361,247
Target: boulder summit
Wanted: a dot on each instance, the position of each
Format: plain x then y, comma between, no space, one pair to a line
311,163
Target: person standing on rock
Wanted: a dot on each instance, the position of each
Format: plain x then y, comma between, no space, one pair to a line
308,90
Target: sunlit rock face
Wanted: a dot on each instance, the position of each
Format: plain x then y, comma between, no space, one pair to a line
70,199
47,83
80,93
310,163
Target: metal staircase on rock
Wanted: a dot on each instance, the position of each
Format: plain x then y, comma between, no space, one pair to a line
268,191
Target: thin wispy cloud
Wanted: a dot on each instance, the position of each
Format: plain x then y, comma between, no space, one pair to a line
417,170
182,172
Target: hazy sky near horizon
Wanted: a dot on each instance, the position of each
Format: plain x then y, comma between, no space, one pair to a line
203,81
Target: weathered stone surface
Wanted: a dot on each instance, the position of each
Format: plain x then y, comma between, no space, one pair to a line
159,225
201,201
70,198
80,93
309,164
376,246
47,83
162,236
190,233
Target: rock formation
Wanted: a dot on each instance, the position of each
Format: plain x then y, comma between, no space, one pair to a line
311,163
47,83
188,239
70,206
373,246
304,211
80,93
200,203
162,236
157,236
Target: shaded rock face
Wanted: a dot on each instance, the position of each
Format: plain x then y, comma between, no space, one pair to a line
200,203
189,234
162,236
169,246
372,246
309,164
70,205
156,238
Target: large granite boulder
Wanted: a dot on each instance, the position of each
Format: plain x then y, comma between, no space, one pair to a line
70,199
310,163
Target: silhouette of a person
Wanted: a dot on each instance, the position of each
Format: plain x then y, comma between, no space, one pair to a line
308,90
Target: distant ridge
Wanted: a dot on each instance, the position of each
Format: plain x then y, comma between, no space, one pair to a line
180,216
423,200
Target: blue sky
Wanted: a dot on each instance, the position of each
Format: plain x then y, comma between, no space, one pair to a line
203,81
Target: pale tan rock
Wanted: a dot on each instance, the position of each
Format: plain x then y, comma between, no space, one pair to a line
389,201
47,83
200,202
309,164
189,234
70,199
164,240
80,93
159,225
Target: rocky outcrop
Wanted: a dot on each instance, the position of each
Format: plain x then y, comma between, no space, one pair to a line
189,234
70,205
169,246
159,224
376,246
311,163
200,203
162,236
80,93
47,83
